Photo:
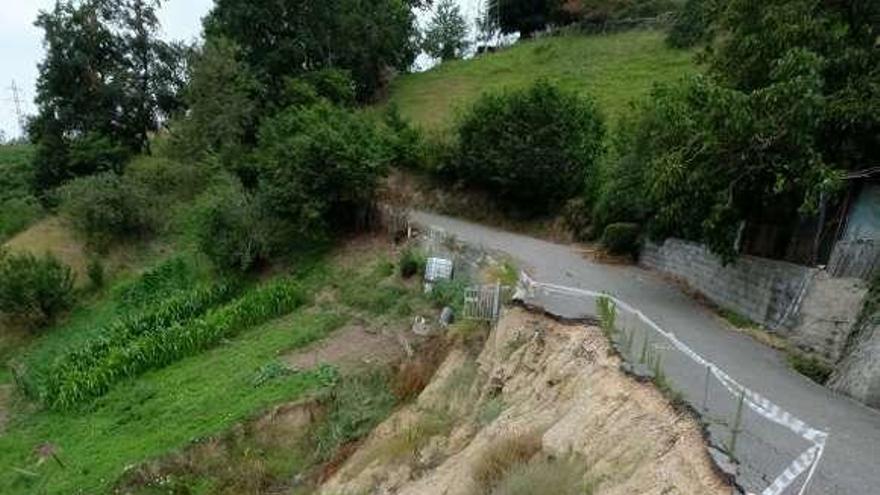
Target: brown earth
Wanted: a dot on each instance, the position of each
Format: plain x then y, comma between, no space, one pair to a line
555,382
52,236
348,348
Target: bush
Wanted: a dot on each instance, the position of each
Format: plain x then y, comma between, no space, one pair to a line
810,366
34,290
405,142
692,24
320,167
621,238
17,213
534,148
556,476
95,271
104,208
228,227
499,457
412,263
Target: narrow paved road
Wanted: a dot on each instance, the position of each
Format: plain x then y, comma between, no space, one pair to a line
851,462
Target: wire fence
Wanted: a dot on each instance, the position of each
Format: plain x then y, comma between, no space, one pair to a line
775,452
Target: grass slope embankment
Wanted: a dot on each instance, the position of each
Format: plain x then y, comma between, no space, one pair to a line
614,69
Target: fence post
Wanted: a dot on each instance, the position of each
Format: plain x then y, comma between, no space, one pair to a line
737,420
706,389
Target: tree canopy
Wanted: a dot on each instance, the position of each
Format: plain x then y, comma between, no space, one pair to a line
105,84
446,35
281,39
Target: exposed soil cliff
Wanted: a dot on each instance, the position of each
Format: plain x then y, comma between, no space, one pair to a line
543,408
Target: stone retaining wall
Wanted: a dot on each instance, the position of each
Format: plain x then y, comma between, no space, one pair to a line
814,311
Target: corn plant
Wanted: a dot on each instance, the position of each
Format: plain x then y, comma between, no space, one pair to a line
179,329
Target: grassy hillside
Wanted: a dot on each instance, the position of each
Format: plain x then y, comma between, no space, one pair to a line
614,68
169,406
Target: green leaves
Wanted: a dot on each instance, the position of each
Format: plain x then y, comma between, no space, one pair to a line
34,289
534,148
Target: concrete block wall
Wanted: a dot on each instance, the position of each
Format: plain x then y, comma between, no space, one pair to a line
813,310
765,291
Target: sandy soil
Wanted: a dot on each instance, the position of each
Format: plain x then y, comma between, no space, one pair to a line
557,381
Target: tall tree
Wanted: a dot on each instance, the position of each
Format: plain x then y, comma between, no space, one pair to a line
102,87
523,16
446,35
286,38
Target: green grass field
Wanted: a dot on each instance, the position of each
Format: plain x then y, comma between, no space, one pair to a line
614,68
205,394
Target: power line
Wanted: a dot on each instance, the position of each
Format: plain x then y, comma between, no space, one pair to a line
16,100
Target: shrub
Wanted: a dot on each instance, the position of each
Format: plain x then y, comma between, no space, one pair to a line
157,284
34,290
319,166
621,238
104,208
17,213
95,271
355,405
534,148
406,144
227,225
501,456
412,263
692,23
810,366
556,476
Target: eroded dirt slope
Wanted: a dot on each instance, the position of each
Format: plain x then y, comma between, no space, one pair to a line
542,407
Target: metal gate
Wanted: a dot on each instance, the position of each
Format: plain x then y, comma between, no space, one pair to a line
483,302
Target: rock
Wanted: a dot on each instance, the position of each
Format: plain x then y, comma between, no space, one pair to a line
447,317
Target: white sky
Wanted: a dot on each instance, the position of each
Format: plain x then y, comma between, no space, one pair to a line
21,44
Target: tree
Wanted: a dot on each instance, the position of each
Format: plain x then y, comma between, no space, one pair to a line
533,148
320,167
222,100
105,79
446,35
755,36
283,39
523,16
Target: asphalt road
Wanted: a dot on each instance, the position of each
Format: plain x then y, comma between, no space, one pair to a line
851,461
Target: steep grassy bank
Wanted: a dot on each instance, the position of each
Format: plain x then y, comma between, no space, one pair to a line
614,68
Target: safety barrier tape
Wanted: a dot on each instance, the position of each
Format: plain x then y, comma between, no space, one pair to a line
761,405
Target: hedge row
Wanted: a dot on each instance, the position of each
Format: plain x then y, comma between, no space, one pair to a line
81,375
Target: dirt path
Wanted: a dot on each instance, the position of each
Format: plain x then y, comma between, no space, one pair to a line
350,347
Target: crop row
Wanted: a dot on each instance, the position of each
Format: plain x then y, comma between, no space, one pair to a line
43,382
161,345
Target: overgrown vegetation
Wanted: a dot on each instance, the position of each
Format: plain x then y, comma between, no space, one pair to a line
34,290
810,366
536,174
18,206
